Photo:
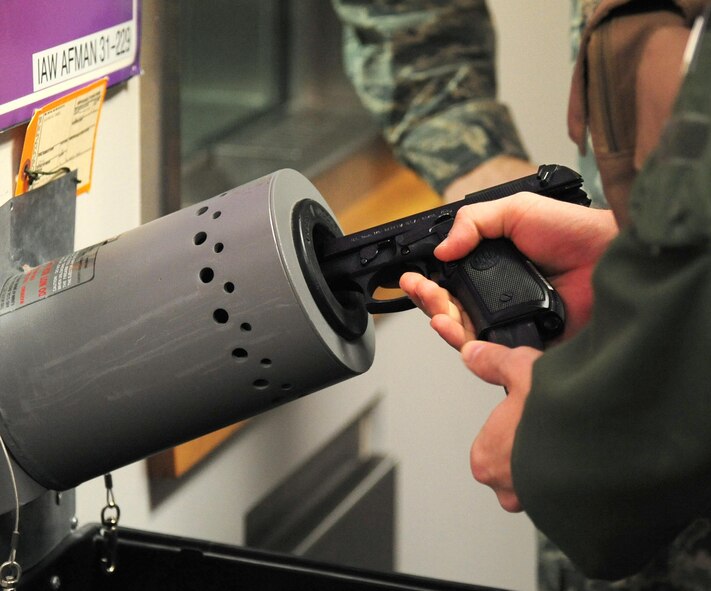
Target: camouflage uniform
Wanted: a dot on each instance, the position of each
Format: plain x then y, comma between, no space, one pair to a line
684,566
425,69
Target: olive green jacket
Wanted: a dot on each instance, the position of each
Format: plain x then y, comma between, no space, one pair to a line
612,458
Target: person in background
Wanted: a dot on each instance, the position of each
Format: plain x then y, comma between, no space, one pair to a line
426,70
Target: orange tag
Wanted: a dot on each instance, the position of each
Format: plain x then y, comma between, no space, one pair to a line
60,136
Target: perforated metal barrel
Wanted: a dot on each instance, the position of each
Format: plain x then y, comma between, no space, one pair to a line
169,331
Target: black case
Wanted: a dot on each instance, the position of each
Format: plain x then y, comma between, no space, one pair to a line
149,561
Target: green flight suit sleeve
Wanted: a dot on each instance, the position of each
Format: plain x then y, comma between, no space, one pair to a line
612,458
426,70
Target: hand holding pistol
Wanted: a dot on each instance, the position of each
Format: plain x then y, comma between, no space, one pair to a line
507,298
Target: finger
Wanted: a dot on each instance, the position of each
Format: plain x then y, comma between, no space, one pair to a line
437,300
424,293
502,487
408,283
500,365
524,218
490,457
509,501
462,238
448,320
492,219
505,494
453,333
428,296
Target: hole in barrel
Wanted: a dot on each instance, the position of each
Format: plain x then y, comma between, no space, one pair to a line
207,275
221,316
240,353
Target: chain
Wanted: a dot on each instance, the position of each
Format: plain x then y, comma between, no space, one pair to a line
10,570
110,516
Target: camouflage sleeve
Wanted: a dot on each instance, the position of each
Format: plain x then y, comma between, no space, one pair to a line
426,70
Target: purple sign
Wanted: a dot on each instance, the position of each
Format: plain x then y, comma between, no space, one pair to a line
49,48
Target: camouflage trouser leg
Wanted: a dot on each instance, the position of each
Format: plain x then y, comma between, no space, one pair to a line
684,566
557,573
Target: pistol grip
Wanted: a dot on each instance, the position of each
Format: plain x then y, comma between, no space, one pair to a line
505,296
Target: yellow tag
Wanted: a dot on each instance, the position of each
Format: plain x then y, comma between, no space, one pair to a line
62,135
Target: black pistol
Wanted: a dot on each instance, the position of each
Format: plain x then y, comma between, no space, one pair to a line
507,298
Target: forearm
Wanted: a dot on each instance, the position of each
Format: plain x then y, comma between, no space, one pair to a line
426,71
611,456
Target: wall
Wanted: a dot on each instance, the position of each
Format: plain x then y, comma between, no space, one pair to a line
448,526
534,59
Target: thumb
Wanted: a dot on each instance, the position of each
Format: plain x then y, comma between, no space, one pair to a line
462,238
500,365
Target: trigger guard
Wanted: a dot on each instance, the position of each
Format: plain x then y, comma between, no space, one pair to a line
389,306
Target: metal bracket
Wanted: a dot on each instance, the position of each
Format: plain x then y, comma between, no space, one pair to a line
38,226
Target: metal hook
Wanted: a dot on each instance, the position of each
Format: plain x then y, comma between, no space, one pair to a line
110,516
10,573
